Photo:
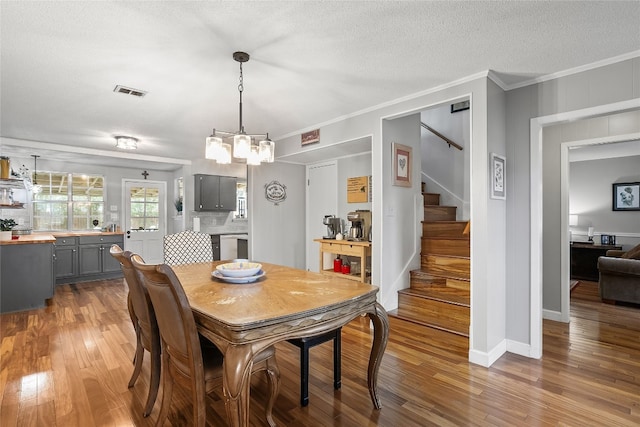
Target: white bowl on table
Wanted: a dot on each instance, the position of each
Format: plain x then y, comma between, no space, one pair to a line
239,269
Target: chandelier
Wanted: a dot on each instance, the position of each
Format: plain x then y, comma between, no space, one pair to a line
219,145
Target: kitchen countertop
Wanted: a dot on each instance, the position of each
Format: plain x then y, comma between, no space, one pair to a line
50,237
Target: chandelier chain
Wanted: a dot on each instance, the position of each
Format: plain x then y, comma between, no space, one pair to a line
241,85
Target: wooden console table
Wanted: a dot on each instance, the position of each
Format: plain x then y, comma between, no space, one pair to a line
361,250
584,260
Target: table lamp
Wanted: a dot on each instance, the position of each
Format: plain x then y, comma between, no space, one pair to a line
590,234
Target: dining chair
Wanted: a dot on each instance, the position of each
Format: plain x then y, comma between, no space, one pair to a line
185,360
304,344
145,325
186,247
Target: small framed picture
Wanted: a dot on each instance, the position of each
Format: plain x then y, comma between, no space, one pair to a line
626,196
401,165
498,184
604,239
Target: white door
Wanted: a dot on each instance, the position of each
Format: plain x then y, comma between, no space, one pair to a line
145,218
322,199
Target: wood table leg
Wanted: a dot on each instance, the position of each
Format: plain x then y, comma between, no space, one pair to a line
380,336
236,382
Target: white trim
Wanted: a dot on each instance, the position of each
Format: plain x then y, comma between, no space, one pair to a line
487,359
392,103
575,70
556,316
92,151
599,232
537,123
444,188
517,347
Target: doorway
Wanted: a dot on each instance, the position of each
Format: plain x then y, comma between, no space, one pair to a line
145,218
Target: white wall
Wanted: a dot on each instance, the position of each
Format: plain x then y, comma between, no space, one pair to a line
277,232
590,184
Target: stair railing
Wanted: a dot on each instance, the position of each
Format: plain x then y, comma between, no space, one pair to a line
439,135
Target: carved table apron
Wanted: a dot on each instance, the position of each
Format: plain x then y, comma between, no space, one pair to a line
244,319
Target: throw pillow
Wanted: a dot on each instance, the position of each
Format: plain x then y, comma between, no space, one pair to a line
633,253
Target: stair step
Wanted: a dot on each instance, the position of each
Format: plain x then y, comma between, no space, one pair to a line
440,213
456,267
458,246
431,198
432,309
444,229
421,279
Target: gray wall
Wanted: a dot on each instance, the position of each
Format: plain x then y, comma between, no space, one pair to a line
276,232
605,85
113,182
553,137
590,197
446,169
350,167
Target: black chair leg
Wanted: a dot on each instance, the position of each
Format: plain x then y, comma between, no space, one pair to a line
304,375
337,360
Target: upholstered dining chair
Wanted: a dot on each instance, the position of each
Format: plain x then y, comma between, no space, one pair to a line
145,325
186,247
185,360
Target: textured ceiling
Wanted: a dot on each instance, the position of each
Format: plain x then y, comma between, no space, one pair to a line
311,62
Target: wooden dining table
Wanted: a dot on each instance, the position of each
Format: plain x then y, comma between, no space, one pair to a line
244,319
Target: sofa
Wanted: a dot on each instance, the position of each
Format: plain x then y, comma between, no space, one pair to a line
620,276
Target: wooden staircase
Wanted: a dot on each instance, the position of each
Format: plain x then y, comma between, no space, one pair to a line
439,295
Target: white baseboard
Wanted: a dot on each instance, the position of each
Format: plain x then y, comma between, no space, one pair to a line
520,348
552,315
487,359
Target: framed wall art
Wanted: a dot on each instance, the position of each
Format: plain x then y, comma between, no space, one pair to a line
498,184
310,137
401,165
626,196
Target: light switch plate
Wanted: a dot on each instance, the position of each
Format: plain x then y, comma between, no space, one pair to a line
113,208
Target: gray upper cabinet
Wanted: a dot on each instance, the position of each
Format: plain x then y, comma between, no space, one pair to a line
215,193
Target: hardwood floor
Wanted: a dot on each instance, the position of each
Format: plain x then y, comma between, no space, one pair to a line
69,364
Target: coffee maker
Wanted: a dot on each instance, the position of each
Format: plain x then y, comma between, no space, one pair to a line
360,225
333,226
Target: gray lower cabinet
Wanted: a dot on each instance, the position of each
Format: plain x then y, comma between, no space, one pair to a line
26,276
85,258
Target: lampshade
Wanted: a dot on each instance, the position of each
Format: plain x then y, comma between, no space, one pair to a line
573,220
241,146
224,154
213,147
266,150
253,158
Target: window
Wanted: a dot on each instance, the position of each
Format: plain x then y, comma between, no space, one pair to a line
68,201
145,208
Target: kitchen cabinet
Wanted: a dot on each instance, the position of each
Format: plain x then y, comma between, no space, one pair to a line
215,193
85,258
66,257
26,275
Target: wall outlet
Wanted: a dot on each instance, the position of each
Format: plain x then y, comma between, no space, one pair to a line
114,217
113,208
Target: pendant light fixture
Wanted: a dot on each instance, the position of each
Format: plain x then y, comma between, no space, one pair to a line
35,188
218,145
126,142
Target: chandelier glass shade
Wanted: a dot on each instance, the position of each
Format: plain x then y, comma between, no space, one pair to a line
218,145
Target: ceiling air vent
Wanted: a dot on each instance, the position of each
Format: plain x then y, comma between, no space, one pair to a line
129,91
